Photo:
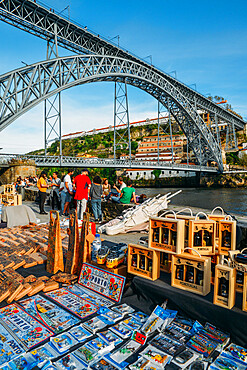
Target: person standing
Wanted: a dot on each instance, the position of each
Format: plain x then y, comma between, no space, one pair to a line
82,184
96,193
68,188
62,194
55,190
42,186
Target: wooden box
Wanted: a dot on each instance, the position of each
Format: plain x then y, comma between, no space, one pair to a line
202,236
244,304
227,236
9,189
241,270
165,262
224,286
166,235
12,200
186,225
143,262
191,273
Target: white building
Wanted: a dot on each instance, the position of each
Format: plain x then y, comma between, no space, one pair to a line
137,174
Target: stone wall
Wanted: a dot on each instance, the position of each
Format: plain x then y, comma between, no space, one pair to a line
16,169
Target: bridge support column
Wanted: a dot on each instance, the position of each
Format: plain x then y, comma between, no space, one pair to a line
122,136
53,106
164,127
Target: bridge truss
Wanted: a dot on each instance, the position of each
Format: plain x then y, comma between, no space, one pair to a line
24,88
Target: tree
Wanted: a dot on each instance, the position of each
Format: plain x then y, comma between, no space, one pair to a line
156,173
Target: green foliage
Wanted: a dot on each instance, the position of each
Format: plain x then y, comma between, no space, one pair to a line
156,173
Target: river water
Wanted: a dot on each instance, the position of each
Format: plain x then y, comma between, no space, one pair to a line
231,200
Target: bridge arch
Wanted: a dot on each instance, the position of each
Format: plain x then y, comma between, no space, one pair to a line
24,88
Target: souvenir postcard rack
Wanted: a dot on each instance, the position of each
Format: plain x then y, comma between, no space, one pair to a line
202,236
143,261
166,235
224,286
191,273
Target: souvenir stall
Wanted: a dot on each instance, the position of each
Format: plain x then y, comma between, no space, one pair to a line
60,311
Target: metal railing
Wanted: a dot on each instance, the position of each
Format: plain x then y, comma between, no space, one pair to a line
65,161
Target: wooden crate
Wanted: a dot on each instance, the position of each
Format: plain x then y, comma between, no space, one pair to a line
143,262
227,236
186,225
191,273
224,286
241,270
9,189
165,262
166,235
244,304
12,200
202,236
215,260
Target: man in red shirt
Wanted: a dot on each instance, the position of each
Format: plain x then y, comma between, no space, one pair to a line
82,184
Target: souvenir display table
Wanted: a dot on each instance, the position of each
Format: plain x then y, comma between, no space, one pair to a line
191,305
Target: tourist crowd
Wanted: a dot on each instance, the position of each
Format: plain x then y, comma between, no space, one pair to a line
70,191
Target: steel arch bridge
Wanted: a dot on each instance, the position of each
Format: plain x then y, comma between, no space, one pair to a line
24,88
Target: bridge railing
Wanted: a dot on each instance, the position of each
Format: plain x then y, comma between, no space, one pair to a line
66,161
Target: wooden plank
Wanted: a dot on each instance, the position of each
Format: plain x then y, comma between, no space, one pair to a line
55,251
25,290
72,261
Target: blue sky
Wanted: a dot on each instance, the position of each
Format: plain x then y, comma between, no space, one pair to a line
204,41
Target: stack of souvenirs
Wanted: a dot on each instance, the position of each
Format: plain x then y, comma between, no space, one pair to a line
38,333
9,197
198,252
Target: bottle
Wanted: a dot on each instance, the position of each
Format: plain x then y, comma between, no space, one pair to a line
142,263
199,277
240,277
207,238
173,238
180,273
150,265
134,260
165,238
223,287
156,235
190,274
95,246
227,239
198,239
